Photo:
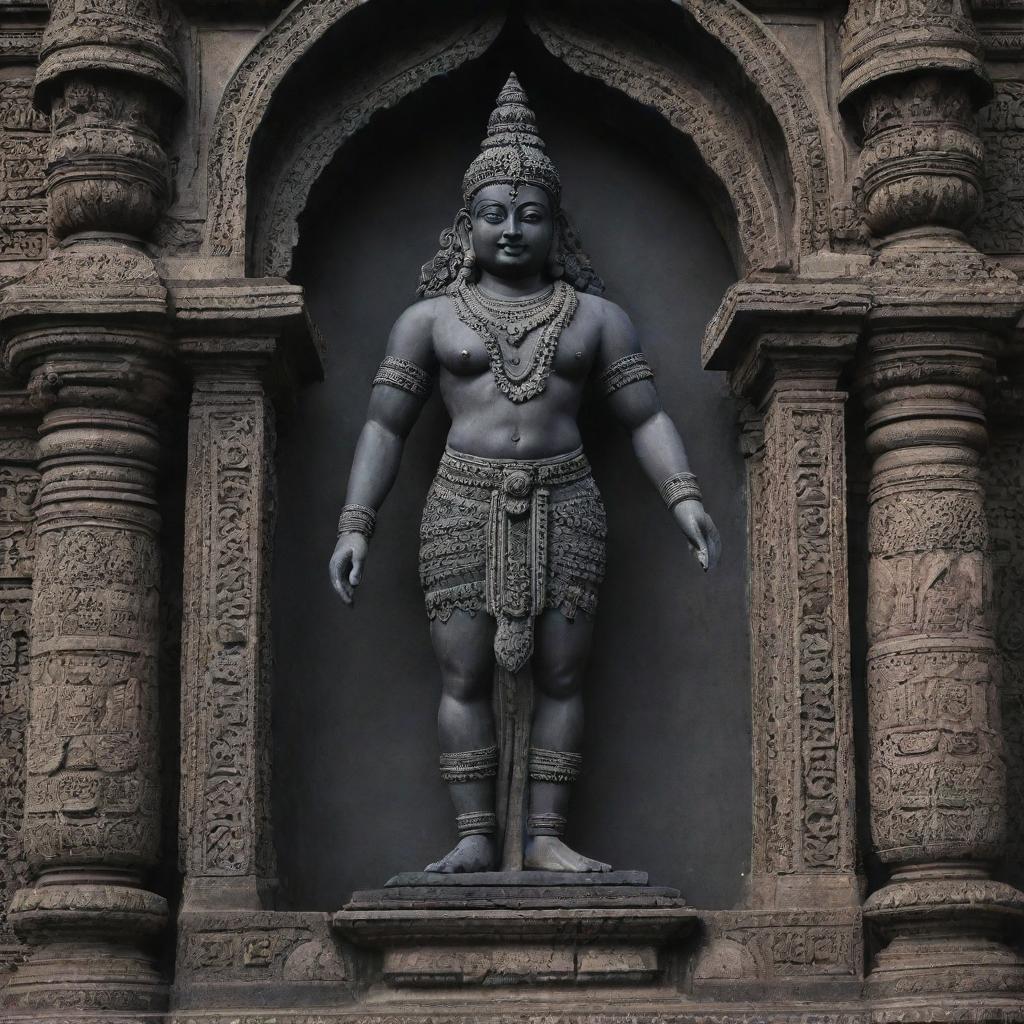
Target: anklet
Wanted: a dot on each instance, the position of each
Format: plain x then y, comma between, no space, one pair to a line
546,823
554,765
476,823
469,765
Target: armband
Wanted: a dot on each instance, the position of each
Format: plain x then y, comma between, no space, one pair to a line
406,376
357,519
681,487
624,370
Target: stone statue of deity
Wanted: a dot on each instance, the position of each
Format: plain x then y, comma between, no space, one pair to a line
512,324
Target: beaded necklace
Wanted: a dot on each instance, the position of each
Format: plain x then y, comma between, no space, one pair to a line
509,321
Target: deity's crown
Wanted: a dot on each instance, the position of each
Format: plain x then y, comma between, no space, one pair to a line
512,151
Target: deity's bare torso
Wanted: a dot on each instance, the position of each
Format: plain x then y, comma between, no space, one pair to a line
483,421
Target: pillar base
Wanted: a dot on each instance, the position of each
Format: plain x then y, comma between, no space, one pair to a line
91,942
946,933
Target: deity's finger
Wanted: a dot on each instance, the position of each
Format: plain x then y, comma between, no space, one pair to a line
338,572
357,572
702,553
715,539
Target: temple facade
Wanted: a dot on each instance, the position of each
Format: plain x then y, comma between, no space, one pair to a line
210,211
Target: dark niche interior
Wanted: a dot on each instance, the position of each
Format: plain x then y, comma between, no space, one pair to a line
666,786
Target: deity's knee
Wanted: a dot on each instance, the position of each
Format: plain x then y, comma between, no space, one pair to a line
466,683
558,678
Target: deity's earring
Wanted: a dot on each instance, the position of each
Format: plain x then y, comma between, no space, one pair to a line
556,266
462,231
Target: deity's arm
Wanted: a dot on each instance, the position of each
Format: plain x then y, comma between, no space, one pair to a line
400,389
625,379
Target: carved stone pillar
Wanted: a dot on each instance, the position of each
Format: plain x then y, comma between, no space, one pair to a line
109,78
913,75
226,846
937,771
88,330
91,823
787,345
247,344
804,851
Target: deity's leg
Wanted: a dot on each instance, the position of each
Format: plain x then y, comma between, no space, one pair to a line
561,648
464,648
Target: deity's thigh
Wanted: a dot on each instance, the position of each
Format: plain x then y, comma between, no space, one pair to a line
561,649
464,649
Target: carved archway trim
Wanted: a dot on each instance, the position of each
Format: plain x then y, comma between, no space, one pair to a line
244,105
249,93
287,190
780,85
693,107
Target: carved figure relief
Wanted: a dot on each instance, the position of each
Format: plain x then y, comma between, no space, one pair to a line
24,139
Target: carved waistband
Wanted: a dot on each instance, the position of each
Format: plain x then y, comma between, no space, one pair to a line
516,477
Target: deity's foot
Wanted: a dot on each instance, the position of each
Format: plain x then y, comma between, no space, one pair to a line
547,853
474,853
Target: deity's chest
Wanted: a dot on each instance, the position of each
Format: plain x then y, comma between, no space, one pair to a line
459,350
462,351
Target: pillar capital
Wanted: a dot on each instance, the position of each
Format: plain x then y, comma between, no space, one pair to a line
881,41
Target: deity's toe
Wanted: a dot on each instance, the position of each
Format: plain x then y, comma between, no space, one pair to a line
474,853
546,853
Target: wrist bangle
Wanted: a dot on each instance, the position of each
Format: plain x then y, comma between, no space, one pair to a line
357,519
680,487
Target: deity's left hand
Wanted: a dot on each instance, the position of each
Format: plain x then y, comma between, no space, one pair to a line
700,531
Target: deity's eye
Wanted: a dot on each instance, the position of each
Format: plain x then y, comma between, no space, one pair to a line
493,215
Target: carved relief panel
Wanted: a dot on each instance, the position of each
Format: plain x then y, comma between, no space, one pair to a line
24,139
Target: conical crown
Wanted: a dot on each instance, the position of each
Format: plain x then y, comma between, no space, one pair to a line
513,151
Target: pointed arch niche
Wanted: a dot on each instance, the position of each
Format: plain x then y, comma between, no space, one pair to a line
690,159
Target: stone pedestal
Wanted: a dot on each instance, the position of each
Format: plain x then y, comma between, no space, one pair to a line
514,928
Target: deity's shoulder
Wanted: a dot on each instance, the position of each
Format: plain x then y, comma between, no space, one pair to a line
419,318
608,316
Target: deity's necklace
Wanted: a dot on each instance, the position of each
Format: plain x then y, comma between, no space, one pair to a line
509,321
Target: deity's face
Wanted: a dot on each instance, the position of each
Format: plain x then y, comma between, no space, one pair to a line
512,237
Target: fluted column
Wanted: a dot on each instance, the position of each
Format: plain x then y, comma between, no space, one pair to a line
937,769
88,331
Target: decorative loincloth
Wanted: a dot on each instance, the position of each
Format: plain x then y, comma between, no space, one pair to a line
512,537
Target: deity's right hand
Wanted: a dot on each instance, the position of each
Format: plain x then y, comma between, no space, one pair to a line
346,569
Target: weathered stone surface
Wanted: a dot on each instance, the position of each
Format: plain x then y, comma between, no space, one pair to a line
867,240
